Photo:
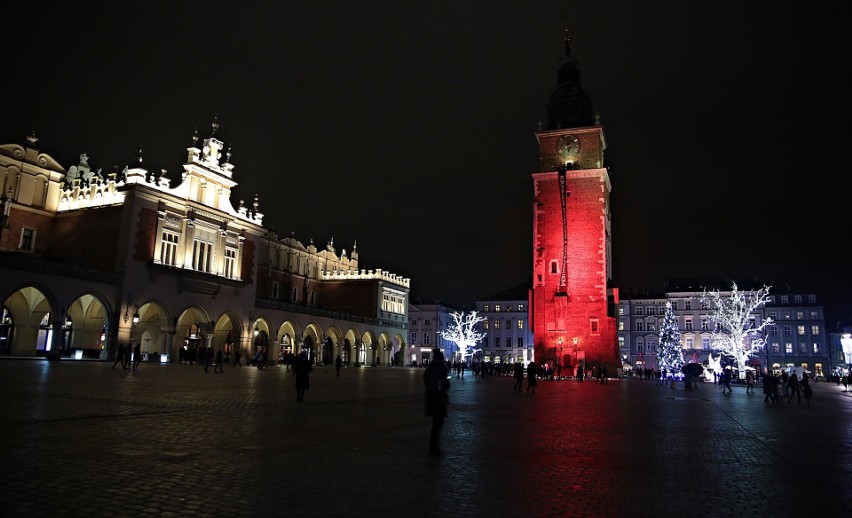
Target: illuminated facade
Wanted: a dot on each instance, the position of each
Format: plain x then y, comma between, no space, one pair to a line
796,339
91,259
572,300
508,334
426,320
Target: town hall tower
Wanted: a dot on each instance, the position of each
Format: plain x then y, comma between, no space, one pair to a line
572,300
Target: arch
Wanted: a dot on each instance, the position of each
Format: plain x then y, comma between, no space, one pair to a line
332,344
226,334
86,326
351,343
289,334
367,349
311,341
193,334
31,309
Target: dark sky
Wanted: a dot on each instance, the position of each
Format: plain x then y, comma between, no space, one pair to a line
409,126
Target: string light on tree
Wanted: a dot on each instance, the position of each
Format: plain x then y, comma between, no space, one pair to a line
462,331
671,350
737,333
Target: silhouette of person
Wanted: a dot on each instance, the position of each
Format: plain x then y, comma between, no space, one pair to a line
119,356
302,368
519,376
208,358
237,362
137,355
219,367
436,398
338,363
532,380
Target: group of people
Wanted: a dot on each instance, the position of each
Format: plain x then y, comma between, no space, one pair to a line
128,357
777,387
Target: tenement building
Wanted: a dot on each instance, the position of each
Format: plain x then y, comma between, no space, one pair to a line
508,336
796,336
93,259
427,320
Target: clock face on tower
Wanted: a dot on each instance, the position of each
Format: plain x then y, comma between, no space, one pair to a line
568,146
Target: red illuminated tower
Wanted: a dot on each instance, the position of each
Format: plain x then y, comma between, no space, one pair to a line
572,302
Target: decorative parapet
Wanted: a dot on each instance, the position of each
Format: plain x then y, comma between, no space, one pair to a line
365,275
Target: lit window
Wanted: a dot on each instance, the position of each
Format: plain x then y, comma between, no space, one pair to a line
520,323
815,330
776,348
788,348
816,348
496,323
497,308
521,307
486,307
168,248
202,255
621,325
230,262
800,330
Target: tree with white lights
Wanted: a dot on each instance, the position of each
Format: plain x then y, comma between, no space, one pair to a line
670,349
736,332
463,331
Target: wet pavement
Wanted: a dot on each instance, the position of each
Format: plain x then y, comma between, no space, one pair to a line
83,439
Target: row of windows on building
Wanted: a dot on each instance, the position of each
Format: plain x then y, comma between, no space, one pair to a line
772,328
499,307
687,305
689,344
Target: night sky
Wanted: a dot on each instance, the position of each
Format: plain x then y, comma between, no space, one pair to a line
409,126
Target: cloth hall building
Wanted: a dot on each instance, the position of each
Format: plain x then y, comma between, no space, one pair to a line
91,260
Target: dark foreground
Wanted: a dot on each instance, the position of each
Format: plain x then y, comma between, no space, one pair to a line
82,439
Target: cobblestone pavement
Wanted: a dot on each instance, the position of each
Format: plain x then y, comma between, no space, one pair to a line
83,439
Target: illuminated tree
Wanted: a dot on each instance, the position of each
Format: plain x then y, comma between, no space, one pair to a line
736,332
463,331
671,350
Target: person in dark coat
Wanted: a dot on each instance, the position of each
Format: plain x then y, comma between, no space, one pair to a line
436,398
338,363
219,362
120,356
519,376
302,368
532,381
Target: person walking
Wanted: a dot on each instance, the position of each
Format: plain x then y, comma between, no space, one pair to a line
302,368
338,363
532,380
237,362
137,355
806,387
119,356
749,382
794,388
219,362
436,398
519,376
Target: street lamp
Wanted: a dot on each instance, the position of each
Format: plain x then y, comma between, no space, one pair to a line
135,306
